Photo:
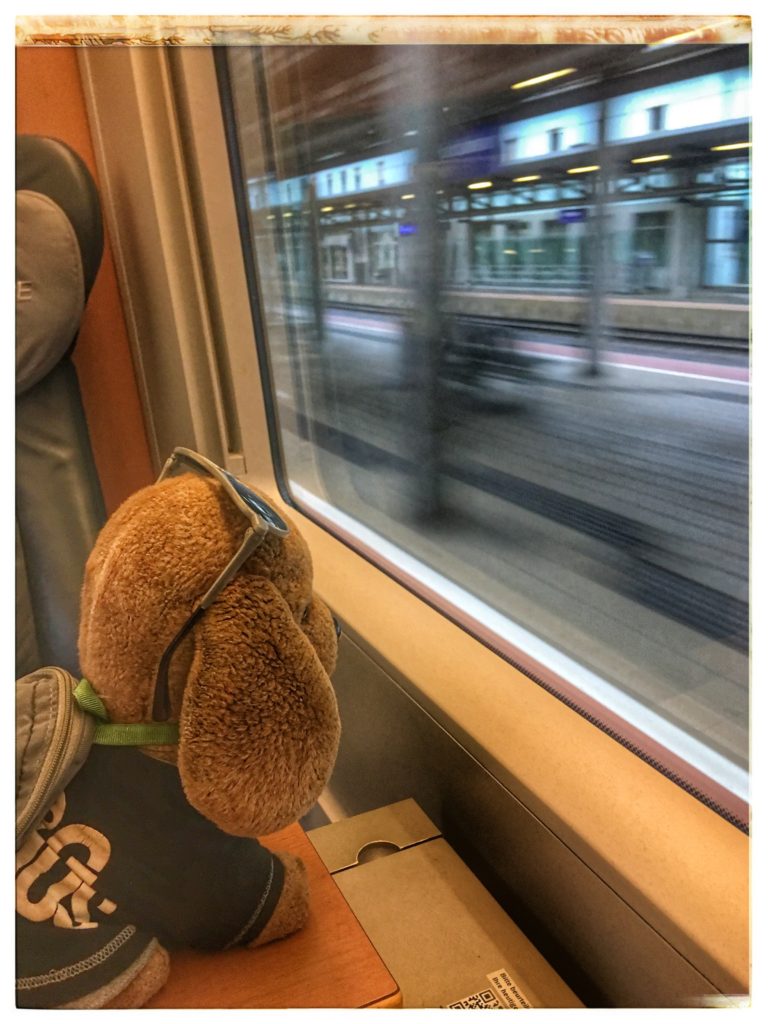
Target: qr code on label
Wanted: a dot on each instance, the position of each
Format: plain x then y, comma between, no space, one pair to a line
484,1000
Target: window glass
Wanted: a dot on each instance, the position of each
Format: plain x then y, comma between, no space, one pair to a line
494,366
726,261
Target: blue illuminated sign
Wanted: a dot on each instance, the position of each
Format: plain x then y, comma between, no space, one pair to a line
407,229
571,216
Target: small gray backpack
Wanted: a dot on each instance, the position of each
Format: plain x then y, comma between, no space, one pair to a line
58,719
53,737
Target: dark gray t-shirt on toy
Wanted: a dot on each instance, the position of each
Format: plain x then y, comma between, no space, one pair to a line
97,888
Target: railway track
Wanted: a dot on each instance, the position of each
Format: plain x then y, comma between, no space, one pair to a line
568,330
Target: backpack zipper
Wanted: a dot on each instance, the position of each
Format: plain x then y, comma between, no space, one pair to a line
65,727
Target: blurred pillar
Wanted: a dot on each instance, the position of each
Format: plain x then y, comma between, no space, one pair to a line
425,338
684,272
601,254
315,261
460,241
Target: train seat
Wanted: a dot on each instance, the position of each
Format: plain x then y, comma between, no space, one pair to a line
59,505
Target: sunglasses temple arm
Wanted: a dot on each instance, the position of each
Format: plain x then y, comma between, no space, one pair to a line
170,462
250,542
161,707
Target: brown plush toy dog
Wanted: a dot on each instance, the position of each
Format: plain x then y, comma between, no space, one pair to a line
197,609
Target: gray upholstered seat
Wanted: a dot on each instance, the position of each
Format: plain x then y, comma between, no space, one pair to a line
59,506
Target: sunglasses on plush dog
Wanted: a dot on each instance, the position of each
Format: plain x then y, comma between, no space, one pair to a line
262,521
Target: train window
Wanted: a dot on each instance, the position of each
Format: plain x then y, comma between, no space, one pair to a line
509,149
651,236
493,366
656,117
726,258
555,139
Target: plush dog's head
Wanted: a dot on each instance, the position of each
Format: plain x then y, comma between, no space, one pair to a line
249,686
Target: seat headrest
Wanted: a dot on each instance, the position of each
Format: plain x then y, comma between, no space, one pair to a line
59,244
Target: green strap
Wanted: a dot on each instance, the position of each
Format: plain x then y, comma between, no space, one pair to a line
90,701
113,734
137,734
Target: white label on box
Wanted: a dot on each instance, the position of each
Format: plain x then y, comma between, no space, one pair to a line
484,1000
504,994
507,991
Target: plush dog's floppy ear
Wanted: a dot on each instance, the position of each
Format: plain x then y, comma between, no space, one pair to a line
259,725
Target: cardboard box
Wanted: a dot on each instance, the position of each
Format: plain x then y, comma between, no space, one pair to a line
444,938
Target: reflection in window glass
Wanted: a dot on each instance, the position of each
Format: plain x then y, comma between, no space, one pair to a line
503,365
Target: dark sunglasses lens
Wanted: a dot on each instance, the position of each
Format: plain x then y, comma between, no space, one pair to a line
257,505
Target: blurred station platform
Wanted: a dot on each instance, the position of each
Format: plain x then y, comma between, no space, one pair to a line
606,514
